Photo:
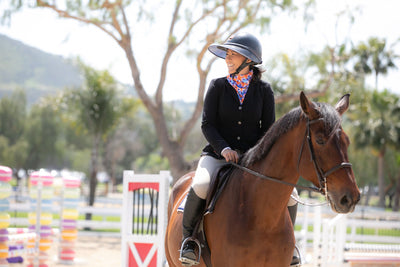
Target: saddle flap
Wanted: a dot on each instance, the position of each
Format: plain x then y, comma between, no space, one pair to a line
217,184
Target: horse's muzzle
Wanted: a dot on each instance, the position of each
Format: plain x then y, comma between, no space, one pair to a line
344,203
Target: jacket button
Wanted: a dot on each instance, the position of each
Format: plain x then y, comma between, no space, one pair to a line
239,122
238,138
240,107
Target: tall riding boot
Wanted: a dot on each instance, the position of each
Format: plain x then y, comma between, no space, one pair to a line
293,214
191,215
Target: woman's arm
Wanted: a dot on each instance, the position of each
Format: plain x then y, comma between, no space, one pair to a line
210,118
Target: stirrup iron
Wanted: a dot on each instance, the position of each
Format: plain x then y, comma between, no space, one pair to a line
298,253
187,261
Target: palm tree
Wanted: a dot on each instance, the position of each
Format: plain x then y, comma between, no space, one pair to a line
396,116
375,57
378,130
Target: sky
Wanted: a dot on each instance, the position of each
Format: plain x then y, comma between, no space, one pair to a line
42,29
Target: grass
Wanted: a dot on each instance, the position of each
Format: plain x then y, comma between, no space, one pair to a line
362,231
81,217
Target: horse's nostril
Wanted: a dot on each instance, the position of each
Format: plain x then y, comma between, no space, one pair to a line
358,198
345,201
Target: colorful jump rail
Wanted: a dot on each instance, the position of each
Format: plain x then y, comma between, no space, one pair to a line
5,192
69,220
40,218
144,218
33,243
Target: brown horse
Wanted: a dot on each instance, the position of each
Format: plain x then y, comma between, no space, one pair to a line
250,225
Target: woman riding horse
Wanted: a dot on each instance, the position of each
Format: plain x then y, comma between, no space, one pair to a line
238,111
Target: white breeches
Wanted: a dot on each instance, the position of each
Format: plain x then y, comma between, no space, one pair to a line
205,168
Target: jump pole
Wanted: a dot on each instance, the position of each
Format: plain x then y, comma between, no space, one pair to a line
144,218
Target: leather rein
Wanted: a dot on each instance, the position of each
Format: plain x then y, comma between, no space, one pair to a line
322,176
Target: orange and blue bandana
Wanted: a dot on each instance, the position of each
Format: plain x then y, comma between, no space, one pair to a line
241,84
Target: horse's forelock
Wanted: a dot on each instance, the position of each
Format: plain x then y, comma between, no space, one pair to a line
332,119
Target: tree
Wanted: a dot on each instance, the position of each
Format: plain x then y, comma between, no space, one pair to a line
43,134
118,142
396,116
216,19
13,155
13,118
13,112
378,130
374,56
98,110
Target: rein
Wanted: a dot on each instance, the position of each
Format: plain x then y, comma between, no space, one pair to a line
310,188
322,176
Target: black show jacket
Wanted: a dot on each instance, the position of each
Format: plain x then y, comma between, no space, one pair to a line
227,123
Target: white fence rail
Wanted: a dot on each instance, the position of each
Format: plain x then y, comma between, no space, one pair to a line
114,210
328,239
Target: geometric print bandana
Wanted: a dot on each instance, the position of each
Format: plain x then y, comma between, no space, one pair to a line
241,84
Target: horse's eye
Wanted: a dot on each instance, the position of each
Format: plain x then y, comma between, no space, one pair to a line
320,140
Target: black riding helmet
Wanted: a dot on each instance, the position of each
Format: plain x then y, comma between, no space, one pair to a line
243,43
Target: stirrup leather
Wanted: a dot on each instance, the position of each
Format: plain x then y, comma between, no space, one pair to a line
187,261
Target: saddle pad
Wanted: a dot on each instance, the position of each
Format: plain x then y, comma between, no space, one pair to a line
181,206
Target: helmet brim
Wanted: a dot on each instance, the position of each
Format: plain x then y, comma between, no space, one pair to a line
220,51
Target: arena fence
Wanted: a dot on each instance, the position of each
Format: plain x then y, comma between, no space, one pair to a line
367,236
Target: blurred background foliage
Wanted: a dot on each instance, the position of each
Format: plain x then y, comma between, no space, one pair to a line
63,114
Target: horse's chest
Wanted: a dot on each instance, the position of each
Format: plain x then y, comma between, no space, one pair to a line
261,255
248,245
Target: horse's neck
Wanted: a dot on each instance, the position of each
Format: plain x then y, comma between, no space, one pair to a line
282,159
280,163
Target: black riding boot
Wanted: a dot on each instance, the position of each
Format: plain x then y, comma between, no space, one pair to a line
293,214
191,215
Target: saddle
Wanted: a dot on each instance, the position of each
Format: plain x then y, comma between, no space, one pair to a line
218,182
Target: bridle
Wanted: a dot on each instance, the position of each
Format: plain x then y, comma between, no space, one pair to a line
322,176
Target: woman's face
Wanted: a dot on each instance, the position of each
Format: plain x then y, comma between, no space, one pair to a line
233,61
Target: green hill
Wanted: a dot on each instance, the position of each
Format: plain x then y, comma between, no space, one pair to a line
41,74
33,70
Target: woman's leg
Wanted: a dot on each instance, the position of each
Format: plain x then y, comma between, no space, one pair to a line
195,203
206,167
292,207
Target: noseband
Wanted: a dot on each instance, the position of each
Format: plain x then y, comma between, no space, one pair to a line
322,176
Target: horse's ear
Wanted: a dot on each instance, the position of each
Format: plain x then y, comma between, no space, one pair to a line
343,104
308,107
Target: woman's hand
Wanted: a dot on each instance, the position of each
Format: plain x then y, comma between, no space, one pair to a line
230,155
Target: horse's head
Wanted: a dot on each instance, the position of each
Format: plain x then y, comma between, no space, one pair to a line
326,145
